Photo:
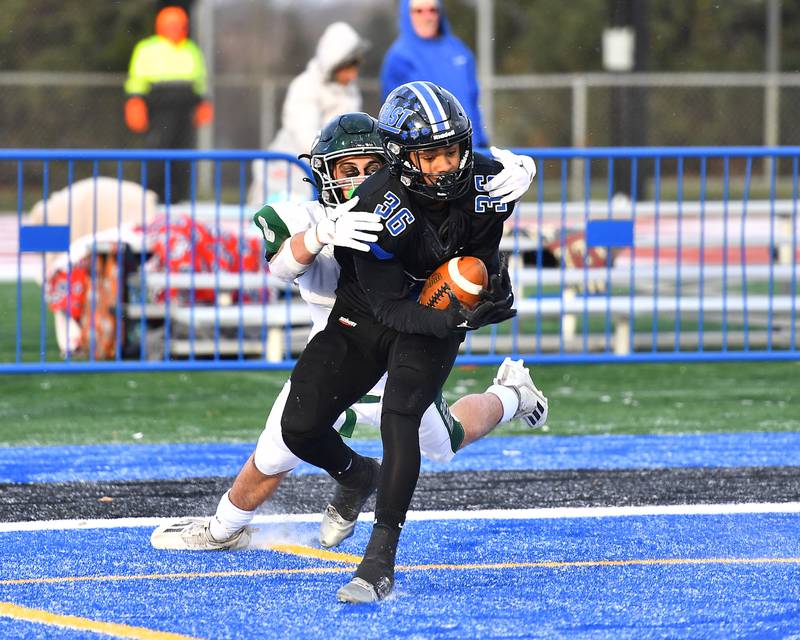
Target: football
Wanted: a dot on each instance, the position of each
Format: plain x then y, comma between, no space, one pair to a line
466,277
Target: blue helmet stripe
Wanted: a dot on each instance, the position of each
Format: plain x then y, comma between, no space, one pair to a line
431,104
435,102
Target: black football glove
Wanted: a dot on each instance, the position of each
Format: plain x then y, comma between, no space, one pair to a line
499,286
493,307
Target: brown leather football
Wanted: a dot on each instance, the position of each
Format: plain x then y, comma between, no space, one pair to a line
466,277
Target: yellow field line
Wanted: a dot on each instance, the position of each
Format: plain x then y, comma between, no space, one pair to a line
114,629
417,567
311,552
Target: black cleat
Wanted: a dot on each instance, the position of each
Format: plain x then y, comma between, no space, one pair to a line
374,579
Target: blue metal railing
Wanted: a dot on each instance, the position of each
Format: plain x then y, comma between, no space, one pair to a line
701,266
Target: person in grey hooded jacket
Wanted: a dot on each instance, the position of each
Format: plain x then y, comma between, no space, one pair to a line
427,50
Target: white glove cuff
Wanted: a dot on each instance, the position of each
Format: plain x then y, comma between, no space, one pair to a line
310,240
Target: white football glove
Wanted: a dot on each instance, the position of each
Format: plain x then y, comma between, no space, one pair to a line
515,178
343,227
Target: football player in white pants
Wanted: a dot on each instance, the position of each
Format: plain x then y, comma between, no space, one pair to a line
300,238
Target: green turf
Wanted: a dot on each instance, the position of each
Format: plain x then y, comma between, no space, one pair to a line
232,406
28,324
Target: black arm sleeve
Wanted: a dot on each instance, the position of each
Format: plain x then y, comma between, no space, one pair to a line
384,284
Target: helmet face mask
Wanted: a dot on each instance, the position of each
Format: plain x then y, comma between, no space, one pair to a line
421,116
446,185
361,162
349,135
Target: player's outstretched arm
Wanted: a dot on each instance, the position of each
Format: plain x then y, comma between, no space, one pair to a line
343,227
516,177
340,227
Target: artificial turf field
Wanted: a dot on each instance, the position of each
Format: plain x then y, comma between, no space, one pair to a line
663,501
230,406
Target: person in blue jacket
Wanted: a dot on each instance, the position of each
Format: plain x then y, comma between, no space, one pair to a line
427,50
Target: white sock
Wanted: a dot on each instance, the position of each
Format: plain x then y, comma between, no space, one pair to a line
508,397
228,519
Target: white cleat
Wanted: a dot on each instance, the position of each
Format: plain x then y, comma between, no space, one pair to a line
334,528
532,402
359,591
340,516
192,534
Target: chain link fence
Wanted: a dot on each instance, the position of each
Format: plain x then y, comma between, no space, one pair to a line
42,110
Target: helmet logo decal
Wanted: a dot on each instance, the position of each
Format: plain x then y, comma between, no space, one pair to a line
392,118
433,107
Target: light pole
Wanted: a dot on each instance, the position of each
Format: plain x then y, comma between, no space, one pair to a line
625,45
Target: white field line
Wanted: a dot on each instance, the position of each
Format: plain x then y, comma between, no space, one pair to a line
486,514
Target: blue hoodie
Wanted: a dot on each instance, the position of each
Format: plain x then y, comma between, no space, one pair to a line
443,60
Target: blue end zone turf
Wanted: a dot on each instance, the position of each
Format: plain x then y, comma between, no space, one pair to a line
720,576
19,629
174,461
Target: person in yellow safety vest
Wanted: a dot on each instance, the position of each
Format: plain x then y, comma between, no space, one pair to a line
166,89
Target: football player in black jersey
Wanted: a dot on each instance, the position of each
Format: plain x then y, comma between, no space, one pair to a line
431,199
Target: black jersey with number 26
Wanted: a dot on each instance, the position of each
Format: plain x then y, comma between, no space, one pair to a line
419,234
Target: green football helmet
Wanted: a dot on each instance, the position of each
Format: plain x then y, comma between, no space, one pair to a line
351,134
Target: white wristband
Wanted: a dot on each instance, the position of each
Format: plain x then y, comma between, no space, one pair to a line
284,265
310,240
